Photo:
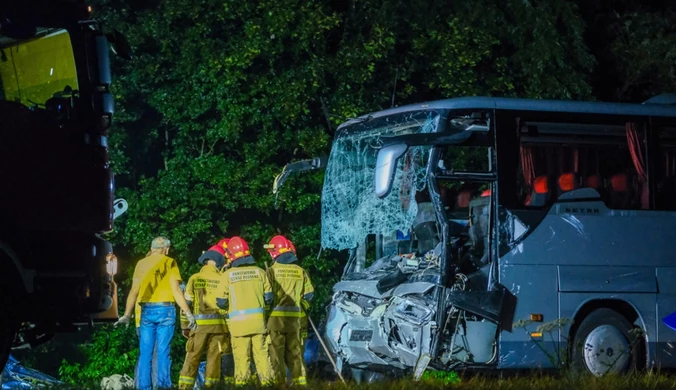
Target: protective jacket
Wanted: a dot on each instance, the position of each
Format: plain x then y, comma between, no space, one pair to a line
201,293
246,294
292,293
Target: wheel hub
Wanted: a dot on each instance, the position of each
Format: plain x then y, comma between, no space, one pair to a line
606,350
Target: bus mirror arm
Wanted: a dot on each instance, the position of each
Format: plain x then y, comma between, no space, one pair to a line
298,166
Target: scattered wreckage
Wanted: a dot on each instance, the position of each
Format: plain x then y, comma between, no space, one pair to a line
15,376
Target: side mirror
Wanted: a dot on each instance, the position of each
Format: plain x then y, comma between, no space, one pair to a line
120,207
385,167
120,45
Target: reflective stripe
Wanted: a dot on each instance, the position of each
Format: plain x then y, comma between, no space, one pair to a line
211,322
245,312
210,381
287,314
186,379
286,311
207,316
300,381
240,313
286,308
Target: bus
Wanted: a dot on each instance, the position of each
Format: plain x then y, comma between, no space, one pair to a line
503,233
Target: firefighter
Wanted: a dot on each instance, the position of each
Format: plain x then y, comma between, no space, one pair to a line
211,334
246,295
292,291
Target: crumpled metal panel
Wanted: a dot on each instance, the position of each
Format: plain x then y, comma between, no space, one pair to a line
363,287
412,288
15,376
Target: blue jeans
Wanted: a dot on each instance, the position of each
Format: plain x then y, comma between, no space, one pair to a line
155,333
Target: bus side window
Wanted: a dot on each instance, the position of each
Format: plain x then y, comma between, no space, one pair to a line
666,170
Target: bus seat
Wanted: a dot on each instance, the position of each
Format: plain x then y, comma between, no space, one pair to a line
540,195
594,181
463,199
567,182
621,191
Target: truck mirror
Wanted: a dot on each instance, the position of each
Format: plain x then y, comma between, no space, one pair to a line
120,45
385,167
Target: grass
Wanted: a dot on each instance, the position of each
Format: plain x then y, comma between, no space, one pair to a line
522,382
650,380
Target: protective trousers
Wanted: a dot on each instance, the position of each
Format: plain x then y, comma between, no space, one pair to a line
287,351
242,349
215,344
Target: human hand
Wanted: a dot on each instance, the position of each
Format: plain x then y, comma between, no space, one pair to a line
192,323
123,320
186,333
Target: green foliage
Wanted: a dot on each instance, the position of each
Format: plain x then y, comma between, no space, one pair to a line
112,350
645,53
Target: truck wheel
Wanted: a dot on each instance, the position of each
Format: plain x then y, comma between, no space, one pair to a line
602,344
8,330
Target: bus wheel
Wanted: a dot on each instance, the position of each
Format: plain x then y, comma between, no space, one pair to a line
601,344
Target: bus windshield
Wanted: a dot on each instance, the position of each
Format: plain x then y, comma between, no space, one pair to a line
350,209
36,69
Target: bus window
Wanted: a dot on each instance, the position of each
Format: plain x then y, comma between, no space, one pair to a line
665,198
551,166
465,159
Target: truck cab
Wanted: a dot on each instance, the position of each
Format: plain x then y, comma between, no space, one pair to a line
57,187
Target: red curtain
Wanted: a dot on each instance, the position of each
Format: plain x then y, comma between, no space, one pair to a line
638,158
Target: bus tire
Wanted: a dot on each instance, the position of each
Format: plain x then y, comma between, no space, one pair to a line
602,344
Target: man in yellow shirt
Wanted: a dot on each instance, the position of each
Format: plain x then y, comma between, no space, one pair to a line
246,294
293,292
156,286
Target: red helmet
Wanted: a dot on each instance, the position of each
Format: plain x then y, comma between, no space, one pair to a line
223,243
236,248
279,245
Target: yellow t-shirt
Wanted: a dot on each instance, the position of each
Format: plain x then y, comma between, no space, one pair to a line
154,275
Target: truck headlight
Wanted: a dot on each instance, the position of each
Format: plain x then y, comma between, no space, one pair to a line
111,264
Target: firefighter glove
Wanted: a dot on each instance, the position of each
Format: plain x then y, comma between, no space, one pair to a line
304,304
192,324
222,303
123,320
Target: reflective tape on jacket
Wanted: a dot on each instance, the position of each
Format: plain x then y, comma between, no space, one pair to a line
243,314
209,319
287,311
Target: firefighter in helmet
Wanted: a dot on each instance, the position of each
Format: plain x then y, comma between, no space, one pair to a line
246,294
211,334
293,291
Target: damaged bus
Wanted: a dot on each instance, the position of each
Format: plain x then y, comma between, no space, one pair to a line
503,233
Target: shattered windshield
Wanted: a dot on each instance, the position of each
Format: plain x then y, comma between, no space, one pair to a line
350,208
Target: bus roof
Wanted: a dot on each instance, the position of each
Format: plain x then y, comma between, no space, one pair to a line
539,105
